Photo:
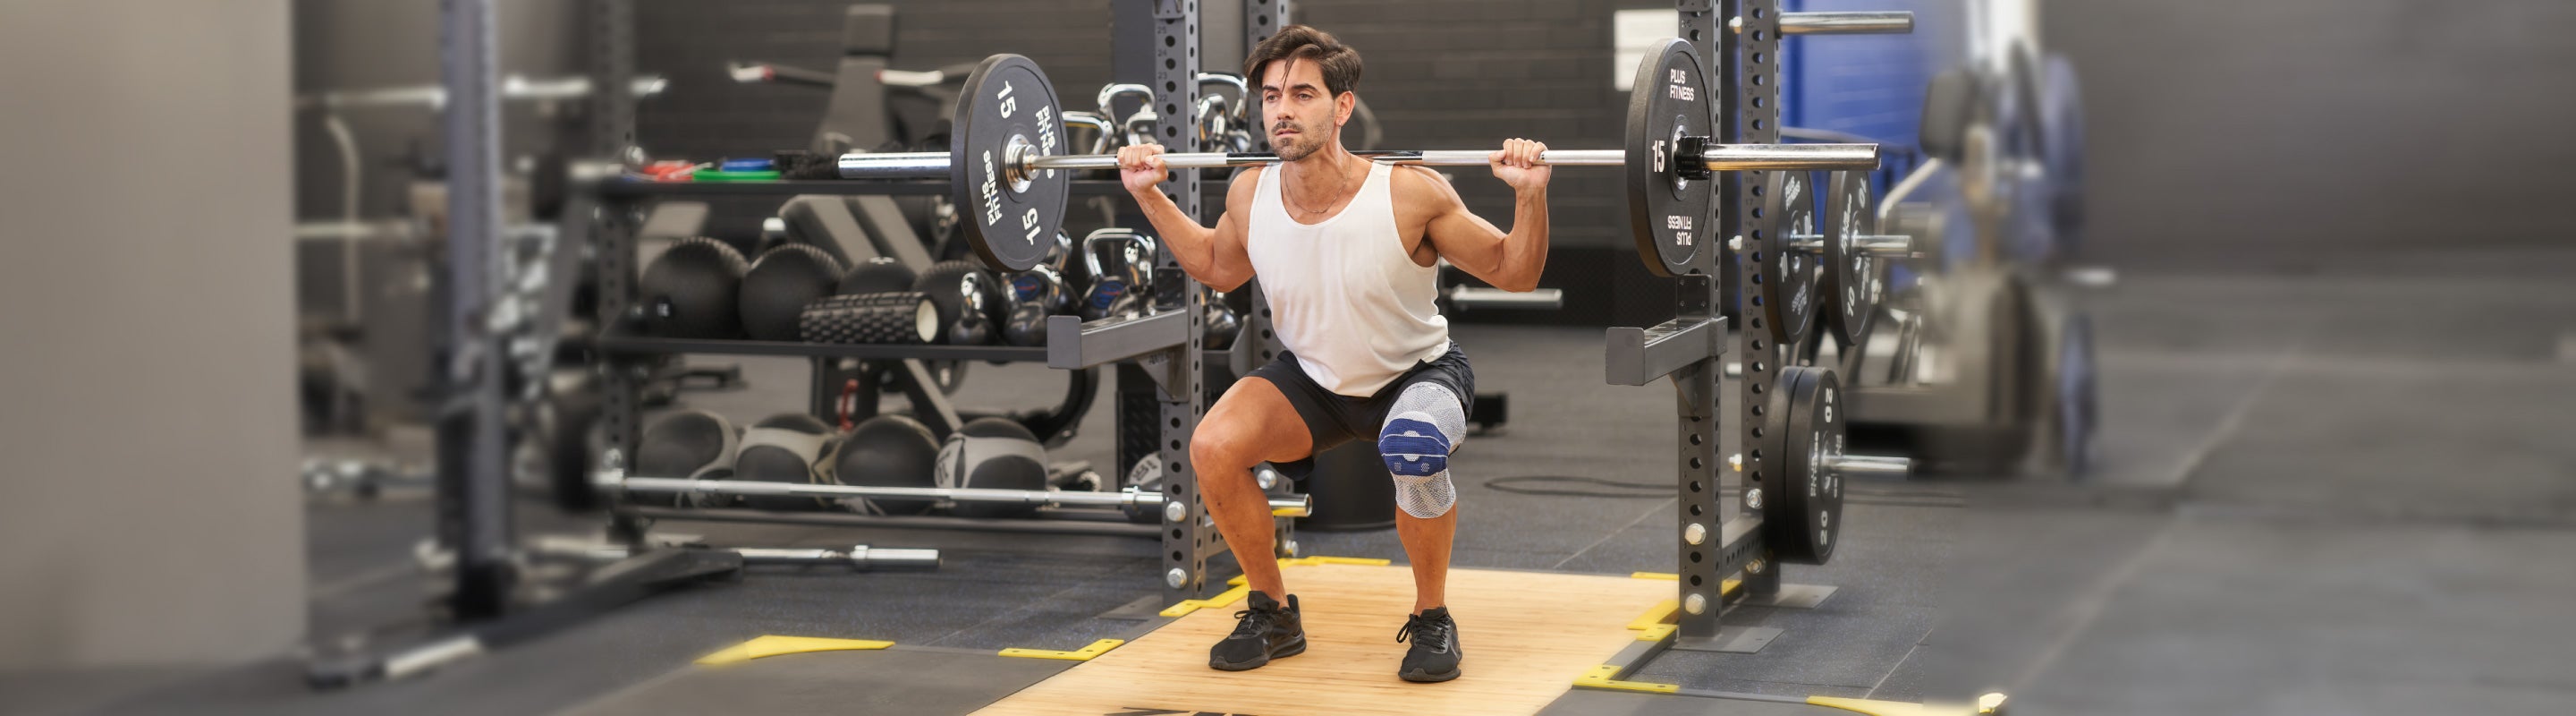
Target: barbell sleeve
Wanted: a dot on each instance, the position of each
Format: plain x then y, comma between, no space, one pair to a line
1880,246
1291,506
894,165
1876,22
1871,465
856,557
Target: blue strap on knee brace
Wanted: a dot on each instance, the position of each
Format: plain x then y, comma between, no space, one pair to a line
1413,446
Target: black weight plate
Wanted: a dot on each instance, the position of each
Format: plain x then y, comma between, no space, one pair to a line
2063,125
1771,457
1810,506
1948,103
1790,279
1010,223
1855,280
1669,217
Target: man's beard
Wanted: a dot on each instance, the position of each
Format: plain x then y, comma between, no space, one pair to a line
1297,146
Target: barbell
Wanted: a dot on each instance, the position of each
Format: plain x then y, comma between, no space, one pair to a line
1009,172
616,480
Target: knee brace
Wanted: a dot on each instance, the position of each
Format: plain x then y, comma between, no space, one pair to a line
1423,427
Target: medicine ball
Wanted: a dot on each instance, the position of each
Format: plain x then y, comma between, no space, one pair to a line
993,454
690,290
779,285
877,275
787,447
946,284
691,444
888,451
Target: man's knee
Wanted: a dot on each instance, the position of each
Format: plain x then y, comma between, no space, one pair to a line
1219,450
1421,430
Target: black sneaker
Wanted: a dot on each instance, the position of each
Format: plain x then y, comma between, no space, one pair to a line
1434,655
1267,631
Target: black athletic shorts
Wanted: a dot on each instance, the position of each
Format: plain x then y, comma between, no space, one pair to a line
1332,418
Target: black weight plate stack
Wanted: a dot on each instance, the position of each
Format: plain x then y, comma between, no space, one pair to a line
1668,215
689,291
1800,522
1854,279
780,284
890,317
1011,223
1790,278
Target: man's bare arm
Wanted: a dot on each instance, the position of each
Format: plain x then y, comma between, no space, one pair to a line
1215,256
1510,261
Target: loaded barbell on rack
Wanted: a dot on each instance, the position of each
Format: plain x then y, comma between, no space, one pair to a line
1010,176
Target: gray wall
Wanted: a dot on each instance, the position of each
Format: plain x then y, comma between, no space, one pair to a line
2323,133
343,45
151,512
1440,73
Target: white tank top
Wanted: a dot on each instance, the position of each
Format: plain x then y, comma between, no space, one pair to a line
1344,296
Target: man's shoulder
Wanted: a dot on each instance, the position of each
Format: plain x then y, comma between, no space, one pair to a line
1420,187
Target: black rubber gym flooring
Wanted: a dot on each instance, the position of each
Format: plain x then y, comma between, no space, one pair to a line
2318,495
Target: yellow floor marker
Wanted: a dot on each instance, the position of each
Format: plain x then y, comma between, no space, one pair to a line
1656,623
1083,654
1987,704
774,645
1599,678
1223,599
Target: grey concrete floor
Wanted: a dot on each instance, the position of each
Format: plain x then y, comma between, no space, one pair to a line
2359,501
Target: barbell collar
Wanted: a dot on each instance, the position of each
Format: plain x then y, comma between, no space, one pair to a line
1873,22
1870,465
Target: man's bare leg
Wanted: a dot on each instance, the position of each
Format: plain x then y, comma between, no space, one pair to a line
1426,543
1252,423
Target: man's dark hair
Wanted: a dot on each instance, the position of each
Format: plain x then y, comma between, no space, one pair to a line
1340,63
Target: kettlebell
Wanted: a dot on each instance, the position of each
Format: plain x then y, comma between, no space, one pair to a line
974,326
1222,324
1027,326
1121,263
1043,286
